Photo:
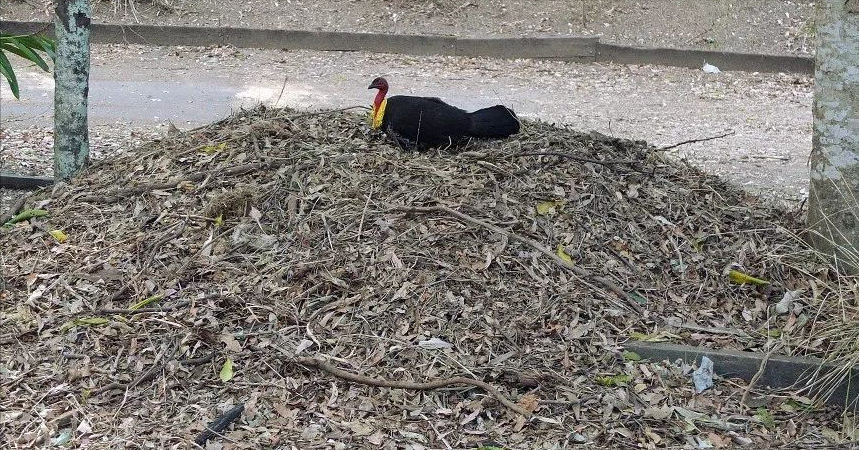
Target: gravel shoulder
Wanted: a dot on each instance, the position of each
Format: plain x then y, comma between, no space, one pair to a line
760,26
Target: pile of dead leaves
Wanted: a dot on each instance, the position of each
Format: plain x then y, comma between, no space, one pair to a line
334,285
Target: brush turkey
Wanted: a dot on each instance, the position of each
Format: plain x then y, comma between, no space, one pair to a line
415,122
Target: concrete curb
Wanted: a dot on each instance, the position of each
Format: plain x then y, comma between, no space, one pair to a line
780,371
748,62
12,181
583,49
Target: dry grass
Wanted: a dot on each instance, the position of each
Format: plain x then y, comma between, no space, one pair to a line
289,240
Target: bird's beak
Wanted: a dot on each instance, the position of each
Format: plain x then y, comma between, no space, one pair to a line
373,86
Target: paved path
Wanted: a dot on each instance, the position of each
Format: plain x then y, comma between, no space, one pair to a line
136,86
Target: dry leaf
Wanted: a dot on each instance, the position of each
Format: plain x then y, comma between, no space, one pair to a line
528,402
231,343
59,236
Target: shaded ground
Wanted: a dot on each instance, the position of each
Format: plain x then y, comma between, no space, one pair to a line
140,88
762,26
280,236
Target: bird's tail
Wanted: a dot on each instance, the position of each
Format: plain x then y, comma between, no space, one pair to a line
495,122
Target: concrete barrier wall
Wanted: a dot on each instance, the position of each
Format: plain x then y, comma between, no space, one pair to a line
779,372
749,62
583,49
571,48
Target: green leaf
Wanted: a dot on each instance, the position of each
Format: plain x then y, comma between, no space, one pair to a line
638,298
16,47
631,356
765,417
549,207
209,149
226,371
27,47
27,215
84,322
145,302
9,74
613,380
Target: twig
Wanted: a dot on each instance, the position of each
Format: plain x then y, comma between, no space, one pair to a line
713,330
364,213
160,362
606,162
426,386
758,374
692,141
8,215
178,305
198,361
220,424
606,283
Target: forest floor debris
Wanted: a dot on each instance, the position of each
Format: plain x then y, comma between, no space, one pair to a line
276,259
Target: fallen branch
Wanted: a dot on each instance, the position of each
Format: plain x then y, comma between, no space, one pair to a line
426,386
606,283
220,424
692,141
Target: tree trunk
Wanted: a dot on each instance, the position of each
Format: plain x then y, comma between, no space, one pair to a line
71,88
833,201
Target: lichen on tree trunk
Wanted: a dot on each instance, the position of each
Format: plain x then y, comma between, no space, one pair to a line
833,214
71,91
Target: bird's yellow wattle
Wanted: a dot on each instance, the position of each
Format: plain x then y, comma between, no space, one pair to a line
378,114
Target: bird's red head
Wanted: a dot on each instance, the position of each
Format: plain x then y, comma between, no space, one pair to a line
380,84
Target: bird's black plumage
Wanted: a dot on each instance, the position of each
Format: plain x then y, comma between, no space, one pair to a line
429,121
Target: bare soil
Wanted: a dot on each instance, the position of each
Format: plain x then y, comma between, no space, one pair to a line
761,26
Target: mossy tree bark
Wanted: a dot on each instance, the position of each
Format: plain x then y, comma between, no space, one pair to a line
71,88
833,215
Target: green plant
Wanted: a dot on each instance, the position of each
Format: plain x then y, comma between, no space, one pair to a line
27,47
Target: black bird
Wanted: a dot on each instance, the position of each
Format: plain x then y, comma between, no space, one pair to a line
415,122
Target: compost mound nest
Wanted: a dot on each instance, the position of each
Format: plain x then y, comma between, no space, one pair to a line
273,235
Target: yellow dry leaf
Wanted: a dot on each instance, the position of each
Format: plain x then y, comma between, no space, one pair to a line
226,373
563,254
209,149
59,235
549,207
741,278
